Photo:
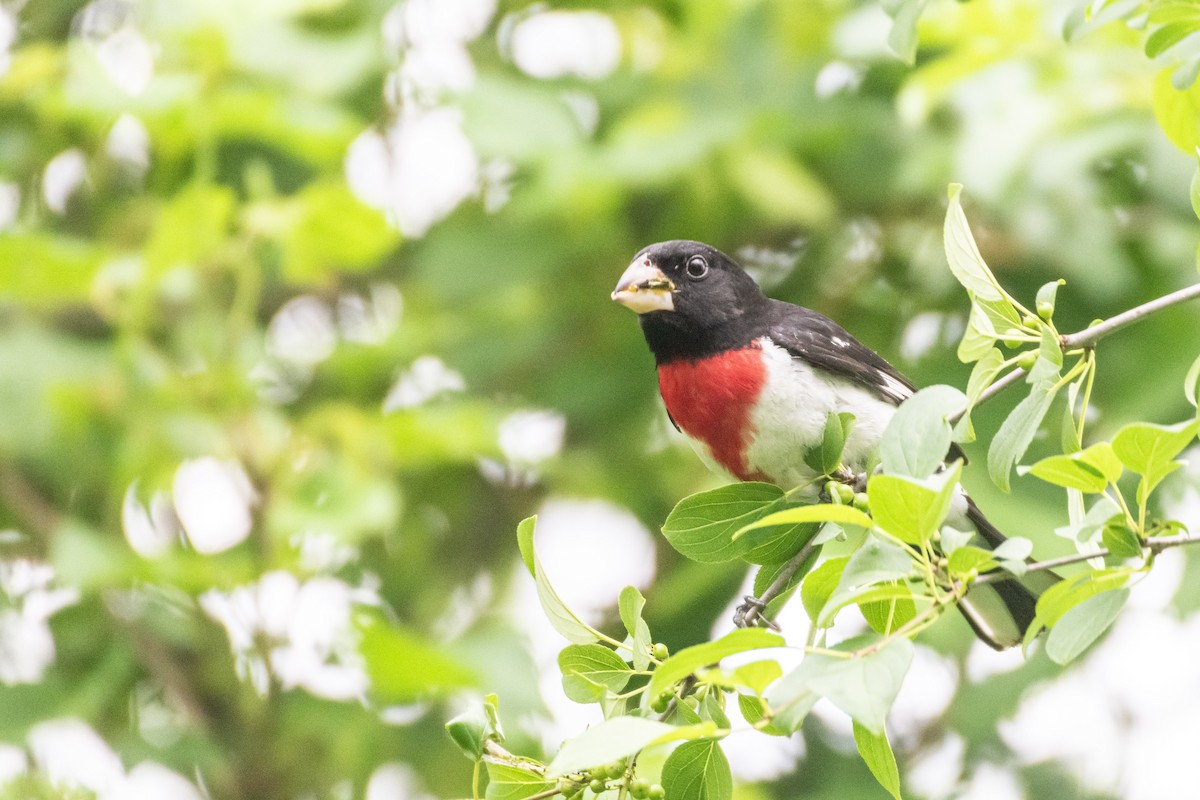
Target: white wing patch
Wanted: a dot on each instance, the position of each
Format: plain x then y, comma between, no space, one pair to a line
894,388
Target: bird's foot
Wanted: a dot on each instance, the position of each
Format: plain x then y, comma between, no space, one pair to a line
750,614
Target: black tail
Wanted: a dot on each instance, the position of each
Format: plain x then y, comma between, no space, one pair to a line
1001,612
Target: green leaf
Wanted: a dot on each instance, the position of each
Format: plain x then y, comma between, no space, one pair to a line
690,659
1049,361
826,457
1083,624
877,754
619,737
757,675
589,671
887,607
1075,471
1098,516
1120,541
564,620
754,710
1060,598
962,254
701,526
918,436
1150,450
403,667
1165,37
698,771
469,731
1046,298
776,544
969,560
1177,112
983,374
909,509
1192,382
513,782
823,512
875,562
863,686
1015,434
979,336
768,573
630,604
820,586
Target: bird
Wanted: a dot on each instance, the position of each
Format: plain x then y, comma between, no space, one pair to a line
750,381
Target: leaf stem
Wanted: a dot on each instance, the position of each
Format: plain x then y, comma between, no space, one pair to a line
756,611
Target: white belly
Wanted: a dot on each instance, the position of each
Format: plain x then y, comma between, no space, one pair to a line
789,419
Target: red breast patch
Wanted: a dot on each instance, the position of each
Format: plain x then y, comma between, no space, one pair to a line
711,399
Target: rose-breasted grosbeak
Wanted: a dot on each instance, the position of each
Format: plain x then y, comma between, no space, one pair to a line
750,382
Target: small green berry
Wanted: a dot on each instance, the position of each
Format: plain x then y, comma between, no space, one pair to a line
862,502
833,492
660,703
1045,309
1029,321
615,769
657,792
661,652
568,787
640,789
597,785
1027,360
847,493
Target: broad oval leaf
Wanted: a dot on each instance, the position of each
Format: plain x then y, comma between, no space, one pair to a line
619,737
701,526
1083,624
873,563
589,671
820,586
1070,472
630,604
698,771
909,509
918,436
690,659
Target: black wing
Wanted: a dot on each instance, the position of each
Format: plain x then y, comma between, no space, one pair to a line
823,343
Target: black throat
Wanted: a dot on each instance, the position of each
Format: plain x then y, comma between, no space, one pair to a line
672,337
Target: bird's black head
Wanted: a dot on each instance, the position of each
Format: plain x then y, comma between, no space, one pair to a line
693,300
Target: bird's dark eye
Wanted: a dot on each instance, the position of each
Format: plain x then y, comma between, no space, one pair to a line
696,267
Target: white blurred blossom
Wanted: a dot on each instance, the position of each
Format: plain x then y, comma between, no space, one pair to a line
837,76
370,319
107,27
301,632
554,44
992,782
63,176
417,171
129,143
531,436
322,551
934,772
417,22
26,643
433,68
213,499
302,331
427,378
395,781
591,549
10,204
71,754
149,531
13,762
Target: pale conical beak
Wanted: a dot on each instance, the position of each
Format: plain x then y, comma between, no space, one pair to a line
644,288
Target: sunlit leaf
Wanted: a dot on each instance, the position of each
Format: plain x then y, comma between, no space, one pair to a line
917,437
701,526
630,604
962,254
698,771
1014,436
1083,624
690,659
618,737
877,754
589,671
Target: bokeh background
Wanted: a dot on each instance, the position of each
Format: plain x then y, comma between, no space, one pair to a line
304,304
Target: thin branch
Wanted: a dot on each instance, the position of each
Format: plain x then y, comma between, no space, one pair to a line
756,609
1155,545
1089,336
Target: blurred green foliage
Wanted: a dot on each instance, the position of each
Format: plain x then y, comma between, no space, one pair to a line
134,324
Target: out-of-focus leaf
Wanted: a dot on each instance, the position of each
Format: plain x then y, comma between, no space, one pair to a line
403,667
826,457
514,782
1177,112
564,620
1083,624
963,255
619,737
917,437
1014,436
630,604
